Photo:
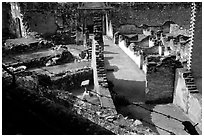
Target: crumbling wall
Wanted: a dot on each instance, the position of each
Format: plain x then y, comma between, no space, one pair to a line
160,80
150,13
42,22
12,21
6,18
70,80
28,113
186,98
19,28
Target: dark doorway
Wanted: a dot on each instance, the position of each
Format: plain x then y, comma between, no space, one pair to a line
90,28
18,28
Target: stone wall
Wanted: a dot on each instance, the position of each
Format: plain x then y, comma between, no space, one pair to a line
152,13
186,98
6,18
12,21
160,78
136,58
71,80
42,22
100,79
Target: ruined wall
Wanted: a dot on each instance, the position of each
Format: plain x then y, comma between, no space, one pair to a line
151,14
186,98
12,21
52,20
160,79
5,20
17,17
41,22
39,17
72,80
159,85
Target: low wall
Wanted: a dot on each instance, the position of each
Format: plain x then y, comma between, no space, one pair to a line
100,79
190,103
71,80
93,65
135,58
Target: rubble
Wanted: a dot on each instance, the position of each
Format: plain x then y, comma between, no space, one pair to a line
21,45
106,118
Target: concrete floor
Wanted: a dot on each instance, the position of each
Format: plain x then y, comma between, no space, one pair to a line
129,81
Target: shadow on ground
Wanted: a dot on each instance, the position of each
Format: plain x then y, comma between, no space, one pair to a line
124,92
108,52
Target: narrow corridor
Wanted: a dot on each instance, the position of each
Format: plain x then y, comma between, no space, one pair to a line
128,78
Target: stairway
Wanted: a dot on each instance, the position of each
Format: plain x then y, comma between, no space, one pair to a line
98,36
189,80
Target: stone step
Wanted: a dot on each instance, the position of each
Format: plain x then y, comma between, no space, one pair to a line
97,31
99,61
101,75
101,72
191,86
98,24
194,91
97,19
105,84
98,28
189,79
102,79
99,65
187,75
101,68
110,70
190,83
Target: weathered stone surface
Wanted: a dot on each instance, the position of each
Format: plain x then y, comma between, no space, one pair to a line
52,112
190,103
22,45
73,79
40,58
160,80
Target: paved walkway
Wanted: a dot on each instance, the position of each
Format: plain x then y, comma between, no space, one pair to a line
129,81
128,78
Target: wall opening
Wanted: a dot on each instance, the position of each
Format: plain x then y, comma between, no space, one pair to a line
18,28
